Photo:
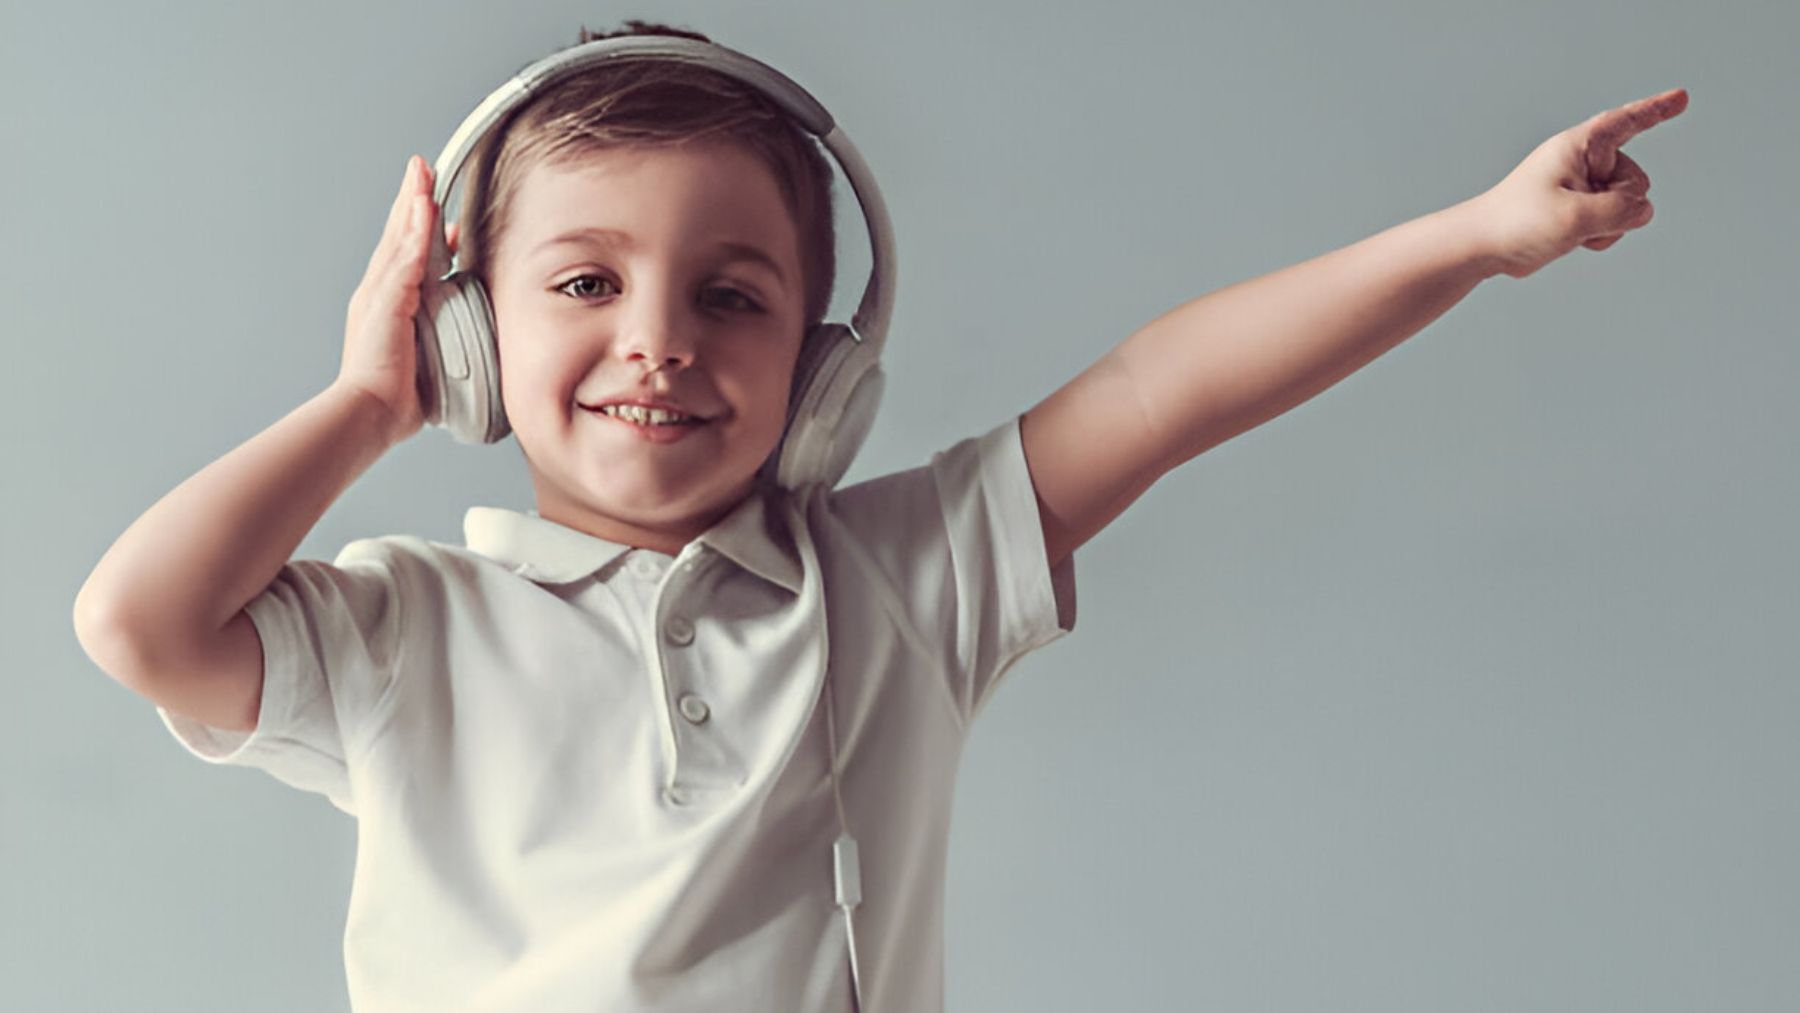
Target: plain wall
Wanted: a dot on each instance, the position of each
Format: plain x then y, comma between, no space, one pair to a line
1470,684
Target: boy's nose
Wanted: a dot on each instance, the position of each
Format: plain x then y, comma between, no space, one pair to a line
657,335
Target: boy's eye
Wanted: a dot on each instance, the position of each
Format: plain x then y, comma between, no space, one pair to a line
582,287
744,301
572,282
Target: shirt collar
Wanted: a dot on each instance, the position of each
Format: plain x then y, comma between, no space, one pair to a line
547,552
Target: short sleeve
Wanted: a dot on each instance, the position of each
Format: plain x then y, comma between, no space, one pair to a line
962,546
331,640
1008,600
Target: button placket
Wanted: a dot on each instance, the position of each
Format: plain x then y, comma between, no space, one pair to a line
678,632
705,762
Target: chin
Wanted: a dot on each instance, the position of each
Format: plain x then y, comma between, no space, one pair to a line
670,501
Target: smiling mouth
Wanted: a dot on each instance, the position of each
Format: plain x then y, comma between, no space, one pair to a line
651,432
648,418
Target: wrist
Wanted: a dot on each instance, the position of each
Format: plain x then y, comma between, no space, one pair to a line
1472,222
378,420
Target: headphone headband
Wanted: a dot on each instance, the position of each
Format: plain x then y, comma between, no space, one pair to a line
870,322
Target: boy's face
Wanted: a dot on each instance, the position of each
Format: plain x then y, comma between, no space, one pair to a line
667,310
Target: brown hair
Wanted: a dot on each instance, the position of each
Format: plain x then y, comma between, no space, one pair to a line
652,103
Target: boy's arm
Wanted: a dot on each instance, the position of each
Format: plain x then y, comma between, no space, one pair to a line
163,611
1229,361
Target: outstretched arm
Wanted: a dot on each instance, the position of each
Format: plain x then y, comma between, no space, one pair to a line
1231,360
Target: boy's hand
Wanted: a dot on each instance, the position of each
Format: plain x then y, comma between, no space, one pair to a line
1576,189
380,347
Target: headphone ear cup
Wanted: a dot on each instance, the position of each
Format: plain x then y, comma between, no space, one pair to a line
459,360
841,440
837,390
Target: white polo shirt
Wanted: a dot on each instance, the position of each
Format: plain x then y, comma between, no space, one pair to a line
591,777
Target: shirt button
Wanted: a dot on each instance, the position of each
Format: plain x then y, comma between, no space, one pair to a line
693,708
645,567
679,631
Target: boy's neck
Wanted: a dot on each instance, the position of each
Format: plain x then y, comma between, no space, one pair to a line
667,539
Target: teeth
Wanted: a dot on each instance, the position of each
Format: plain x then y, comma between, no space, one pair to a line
645,416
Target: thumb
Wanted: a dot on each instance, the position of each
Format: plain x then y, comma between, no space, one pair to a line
1612,213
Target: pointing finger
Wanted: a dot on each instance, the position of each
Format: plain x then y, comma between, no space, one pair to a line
1608,132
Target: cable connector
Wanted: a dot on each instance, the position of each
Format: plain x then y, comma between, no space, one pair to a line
849,871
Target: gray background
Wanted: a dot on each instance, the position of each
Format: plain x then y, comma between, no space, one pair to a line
1469,684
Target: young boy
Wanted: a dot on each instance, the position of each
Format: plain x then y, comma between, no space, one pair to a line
588,752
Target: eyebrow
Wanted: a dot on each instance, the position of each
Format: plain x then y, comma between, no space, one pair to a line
614,237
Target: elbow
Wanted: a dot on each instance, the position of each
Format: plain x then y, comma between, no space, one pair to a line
106,637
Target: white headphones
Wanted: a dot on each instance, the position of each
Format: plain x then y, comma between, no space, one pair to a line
837,378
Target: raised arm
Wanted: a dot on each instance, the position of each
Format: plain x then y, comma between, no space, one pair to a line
163,611
1231,360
